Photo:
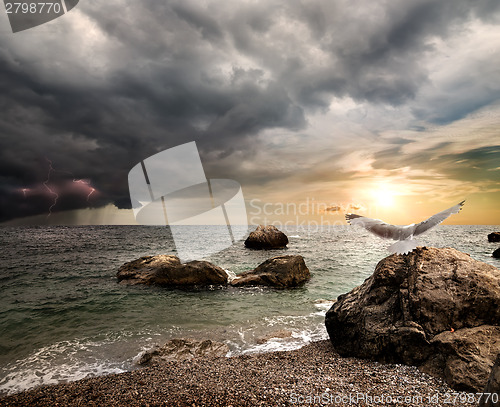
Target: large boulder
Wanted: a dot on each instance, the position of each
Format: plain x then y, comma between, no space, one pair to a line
494,237
488,399
496,253
168,271
434,308
280,272
182,349
266,238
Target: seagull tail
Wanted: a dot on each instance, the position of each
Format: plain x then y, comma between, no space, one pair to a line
403,246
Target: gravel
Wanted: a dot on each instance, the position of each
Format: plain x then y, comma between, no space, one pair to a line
312,375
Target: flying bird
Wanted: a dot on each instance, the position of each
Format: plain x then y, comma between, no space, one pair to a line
403,234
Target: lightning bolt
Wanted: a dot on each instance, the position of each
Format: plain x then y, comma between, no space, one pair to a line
51,191
81,181
92,190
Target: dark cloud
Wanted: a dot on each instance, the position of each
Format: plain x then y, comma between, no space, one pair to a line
479,164
205,23
129,79
398,140
395,157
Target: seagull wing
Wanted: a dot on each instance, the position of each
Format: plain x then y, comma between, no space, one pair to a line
376,226
436,219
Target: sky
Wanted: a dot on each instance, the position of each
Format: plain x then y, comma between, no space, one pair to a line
390,109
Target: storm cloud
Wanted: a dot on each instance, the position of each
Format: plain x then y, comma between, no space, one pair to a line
113,82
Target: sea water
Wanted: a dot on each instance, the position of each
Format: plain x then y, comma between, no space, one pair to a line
63,316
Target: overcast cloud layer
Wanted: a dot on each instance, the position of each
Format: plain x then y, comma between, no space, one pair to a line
298,94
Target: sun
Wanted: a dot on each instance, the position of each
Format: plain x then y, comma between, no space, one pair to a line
384,197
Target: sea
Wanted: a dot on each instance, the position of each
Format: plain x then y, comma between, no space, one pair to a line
64,317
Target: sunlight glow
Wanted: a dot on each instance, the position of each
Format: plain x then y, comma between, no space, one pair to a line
384,197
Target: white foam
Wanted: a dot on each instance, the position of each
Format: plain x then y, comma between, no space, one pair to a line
298,339
230,275
324,305
67,361
61,362
304,329
24,379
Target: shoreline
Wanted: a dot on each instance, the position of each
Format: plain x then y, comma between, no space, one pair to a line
312,375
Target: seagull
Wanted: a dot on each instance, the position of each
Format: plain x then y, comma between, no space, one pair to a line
403,234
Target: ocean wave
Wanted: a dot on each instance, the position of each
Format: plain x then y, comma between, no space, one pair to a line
60,362
297,340
303,329
70,291
230,275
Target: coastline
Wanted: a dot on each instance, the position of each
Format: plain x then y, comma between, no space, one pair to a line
73,278
312,375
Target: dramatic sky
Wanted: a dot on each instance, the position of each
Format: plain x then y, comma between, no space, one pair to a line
389,108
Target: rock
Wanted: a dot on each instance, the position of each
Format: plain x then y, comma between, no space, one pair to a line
322,301
434,308
494,237
469,352
492,387
280,271
168,271
266,238
183,349
281,334
143,270
496,253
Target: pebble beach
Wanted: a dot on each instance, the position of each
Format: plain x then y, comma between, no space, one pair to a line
312,375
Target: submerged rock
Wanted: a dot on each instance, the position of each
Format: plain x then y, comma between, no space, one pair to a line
183,349
494,237
496,253
280,271
164,270
266,238
434,308
280,334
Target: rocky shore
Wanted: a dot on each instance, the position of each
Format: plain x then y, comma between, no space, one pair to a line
435,310
438,309
270,379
